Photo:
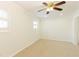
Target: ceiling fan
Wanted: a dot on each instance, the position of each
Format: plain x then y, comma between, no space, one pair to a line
52,6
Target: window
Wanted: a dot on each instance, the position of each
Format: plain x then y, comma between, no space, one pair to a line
3,14
3,21
35,24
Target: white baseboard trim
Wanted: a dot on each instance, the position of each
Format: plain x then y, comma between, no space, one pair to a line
75,43
36,41
23,48
61,41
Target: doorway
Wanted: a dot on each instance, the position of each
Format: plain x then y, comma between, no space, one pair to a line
77,29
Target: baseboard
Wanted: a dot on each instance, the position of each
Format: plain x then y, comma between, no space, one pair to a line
23,48
36,41
75,43
61,41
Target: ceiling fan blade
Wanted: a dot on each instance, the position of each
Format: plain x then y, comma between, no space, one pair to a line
44,3
60,3
59,9
41,9
47,12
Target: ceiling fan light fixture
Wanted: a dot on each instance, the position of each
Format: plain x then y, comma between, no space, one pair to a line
50,6
49,9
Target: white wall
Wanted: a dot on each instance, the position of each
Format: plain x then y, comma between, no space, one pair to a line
59,29
20,32
76,27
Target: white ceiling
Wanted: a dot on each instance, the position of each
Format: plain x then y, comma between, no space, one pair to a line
68,9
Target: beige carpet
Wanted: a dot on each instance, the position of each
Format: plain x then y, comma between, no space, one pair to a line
50,48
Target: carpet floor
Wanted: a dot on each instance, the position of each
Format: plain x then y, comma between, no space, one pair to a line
50,48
